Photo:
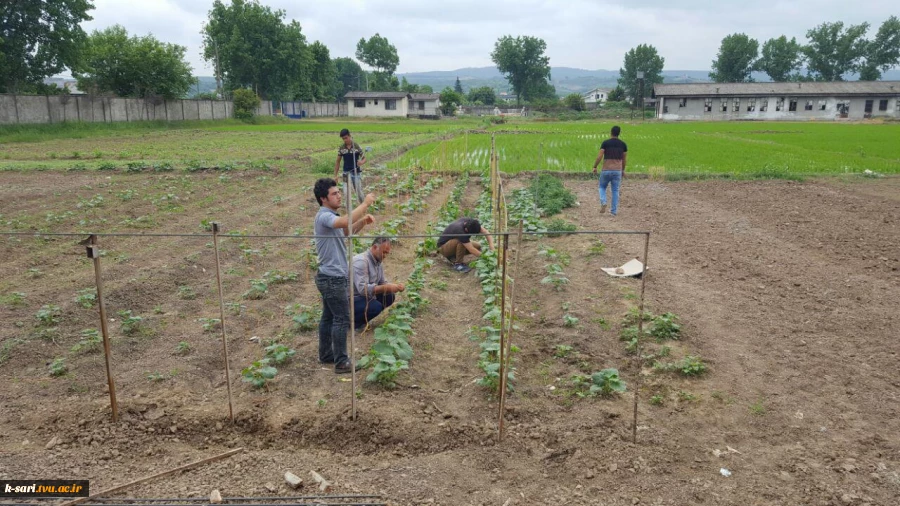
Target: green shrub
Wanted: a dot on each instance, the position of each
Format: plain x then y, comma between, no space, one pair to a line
550,195
245,104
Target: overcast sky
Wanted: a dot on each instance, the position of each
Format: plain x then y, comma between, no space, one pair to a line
453,34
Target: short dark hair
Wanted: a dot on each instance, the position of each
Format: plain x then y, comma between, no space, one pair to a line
472,226
382,239
344,132
616,131
322,187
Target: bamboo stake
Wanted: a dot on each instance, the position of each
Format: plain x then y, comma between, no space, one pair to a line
505,365
501,259
640,333
93,252
157,475
215,232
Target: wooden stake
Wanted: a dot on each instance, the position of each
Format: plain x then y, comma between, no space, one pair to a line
215,232
352,353
157,475
504,365
501,258
93,252
640,381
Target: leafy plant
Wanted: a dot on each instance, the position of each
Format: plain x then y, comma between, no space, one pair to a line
259,373
156,377
86,298
210,324
14,299
279,353
279,277
185,292
657,400
606,382
562,350
305,318
550,195
58,367
665,327
555,277
90,341
569,320
596,248
560,225
130,324
235,308
183,348
47,315
258,289
688,366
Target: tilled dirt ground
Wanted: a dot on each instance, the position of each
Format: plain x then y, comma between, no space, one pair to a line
788,291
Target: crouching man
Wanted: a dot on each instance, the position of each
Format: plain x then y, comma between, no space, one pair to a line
372,294
455,242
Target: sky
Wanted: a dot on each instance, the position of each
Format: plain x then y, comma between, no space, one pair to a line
454,34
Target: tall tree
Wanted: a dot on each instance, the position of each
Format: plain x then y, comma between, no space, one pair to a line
256,49
39,38
833,51
882,53
616,95
736,58
484,95
642,58
523,61
133,66
408,87
450,99
349,76
381,55
322,73
458,86
781,59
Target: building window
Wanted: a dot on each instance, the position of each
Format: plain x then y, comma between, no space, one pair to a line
751,105
898,105
665,109
737,105
763,104
390,105
724,107
882,105
808,106
792,106
869,106
682,102
843,108
360,104
707,105
421,105
779,105
821,105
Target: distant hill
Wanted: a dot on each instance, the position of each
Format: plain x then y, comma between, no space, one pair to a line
565,79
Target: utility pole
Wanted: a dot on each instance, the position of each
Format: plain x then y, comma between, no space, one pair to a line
218,72
640,76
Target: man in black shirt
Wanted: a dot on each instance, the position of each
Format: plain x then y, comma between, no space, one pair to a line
353,156
456,248
613,154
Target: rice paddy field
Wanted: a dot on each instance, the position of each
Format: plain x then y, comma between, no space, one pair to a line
676,150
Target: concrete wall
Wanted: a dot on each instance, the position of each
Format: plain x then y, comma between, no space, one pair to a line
767,108
431,108
312,109
22,109
375,107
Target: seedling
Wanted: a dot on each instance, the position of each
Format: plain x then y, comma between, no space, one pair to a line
258,289
185,292
47,315
58,367
279,277
596,249
305,318
758,408
156,377
606,382
14,299
686,396
130,324
562,351
183,348
235,308
90,341
279,353
665,327
210,324
259,373
657,400
34,273
86,298
569,321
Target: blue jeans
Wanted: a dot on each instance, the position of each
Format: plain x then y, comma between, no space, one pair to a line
356,185
613,177
363,313
335,318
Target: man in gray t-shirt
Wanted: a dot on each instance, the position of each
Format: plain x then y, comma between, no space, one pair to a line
332,279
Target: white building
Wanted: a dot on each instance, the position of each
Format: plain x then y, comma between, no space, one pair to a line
778,101
596,96
396,104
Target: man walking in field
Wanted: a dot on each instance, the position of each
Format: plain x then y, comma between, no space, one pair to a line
372,294
613,153
332,279
455,241
353,157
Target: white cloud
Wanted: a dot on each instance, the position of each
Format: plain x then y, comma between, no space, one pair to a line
461,33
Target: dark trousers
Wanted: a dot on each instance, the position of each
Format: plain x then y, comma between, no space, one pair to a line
335,318
365,312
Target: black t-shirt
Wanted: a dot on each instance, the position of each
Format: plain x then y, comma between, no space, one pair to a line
613,153
351,156
452,229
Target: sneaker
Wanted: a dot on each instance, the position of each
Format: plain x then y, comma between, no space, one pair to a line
343,368
602,208
463,268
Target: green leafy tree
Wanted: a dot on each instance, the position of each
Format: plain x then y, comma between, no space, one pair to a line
349,76
132,66
380,54
408,87
482,95
781,59
39,38
425,88
458,87
643,58
574,101
256,49
245,103
834,51
450,99
882,53
736,59
523,61
616,95
322,73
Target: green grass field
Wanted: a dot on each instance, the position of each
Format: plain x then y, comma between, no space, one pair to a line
676,150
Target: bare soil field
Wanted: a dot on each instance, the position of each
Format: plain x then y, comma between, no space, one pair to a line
788,291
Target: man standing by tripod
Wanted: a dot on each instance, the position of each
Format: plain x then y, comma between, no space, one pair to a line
353,157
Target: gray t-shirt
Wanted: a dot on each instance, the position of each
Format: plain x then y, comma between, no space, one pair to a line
332,250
